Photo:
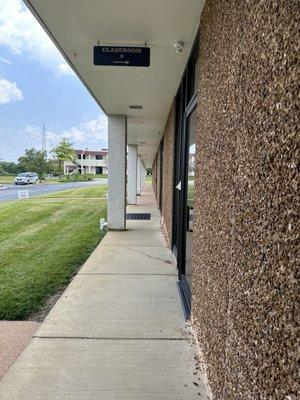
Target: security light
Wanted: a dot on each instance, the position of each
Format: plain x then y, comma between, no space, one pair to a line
179,46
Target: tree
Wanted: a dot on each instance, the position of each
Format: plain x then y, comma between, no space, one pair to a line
9,168
54,167
63,152
34,161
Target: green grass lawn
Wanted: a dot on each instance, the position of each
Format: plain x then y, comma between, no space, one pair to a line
10,179
75,178
101,176
7,179
43,240
89,192
148,180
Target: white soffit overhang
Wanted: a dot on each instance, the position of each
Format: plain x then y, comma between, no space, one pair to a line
77,25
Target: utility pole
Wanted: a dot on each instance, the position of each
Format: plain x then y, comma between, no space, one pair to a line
44,144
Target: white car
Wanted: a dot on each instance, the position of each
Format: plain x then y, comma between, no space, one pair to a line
25,178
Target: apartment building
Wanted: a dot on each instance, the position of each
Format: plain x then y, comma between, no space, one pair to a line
87,162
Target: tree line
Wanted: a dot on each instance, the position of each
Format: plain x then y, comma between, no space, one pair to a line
37,161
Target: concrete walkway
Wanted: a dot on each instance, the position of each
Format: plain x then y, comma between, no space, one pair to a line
118,331
14,337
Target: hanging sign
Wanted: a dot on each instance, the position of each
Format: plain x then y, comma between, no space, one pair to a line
120,56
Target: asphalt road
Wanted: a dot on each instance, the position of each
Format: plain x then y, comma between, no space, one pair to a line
11,191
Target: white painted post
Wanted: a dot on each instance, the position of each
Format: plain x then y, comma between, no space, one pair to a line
138,181
132,174
143,175
117,143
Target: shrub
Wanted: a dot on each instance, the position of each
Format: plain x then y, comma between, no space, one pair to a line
77,178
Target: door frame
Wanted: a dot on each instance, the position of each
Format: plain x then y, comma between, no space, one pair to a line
161,173
186,102
182,218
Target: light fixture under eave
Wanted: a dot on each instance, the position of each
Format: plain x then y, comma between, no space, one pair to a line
136,107
178,47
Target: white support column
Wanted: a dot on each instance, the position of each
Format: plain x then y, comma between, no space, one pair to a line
142,175
117,144
132,174
138,181
82,167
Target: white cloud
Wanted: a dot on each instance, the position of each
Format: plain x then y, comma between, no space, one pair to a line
93,131
90,133
5,61
74,134
96,127
22,34
65,69
9,91
32,132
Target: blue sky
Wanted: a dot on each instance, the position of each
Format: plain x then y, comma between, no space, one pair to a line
37,86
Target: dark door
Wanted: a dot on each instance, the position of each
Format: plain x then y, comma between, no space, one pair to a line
184,203
184,156
161,174
189,195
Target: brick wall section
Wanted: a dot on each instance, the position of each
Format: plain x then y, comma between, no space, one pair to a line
157,168
245,233
154,173
168,167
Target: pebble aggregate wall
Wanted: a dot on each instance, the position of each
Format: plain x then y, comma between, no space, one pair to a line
246,236
168,166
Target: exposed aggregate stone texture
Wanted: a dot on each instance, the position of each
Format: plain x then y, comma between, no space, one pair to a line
246,216
168,167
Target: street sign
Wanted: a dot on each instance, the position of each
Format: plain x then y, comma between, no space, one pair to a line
23,194
119,56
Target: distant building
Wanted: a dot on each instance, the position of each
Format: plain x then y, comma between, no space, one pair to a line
87,162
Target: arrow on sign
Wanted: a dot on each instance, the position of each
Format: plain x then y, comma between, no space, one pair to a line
121,62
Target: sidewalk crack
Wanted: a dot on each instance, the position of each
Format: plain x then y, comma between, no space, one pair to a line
147,255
